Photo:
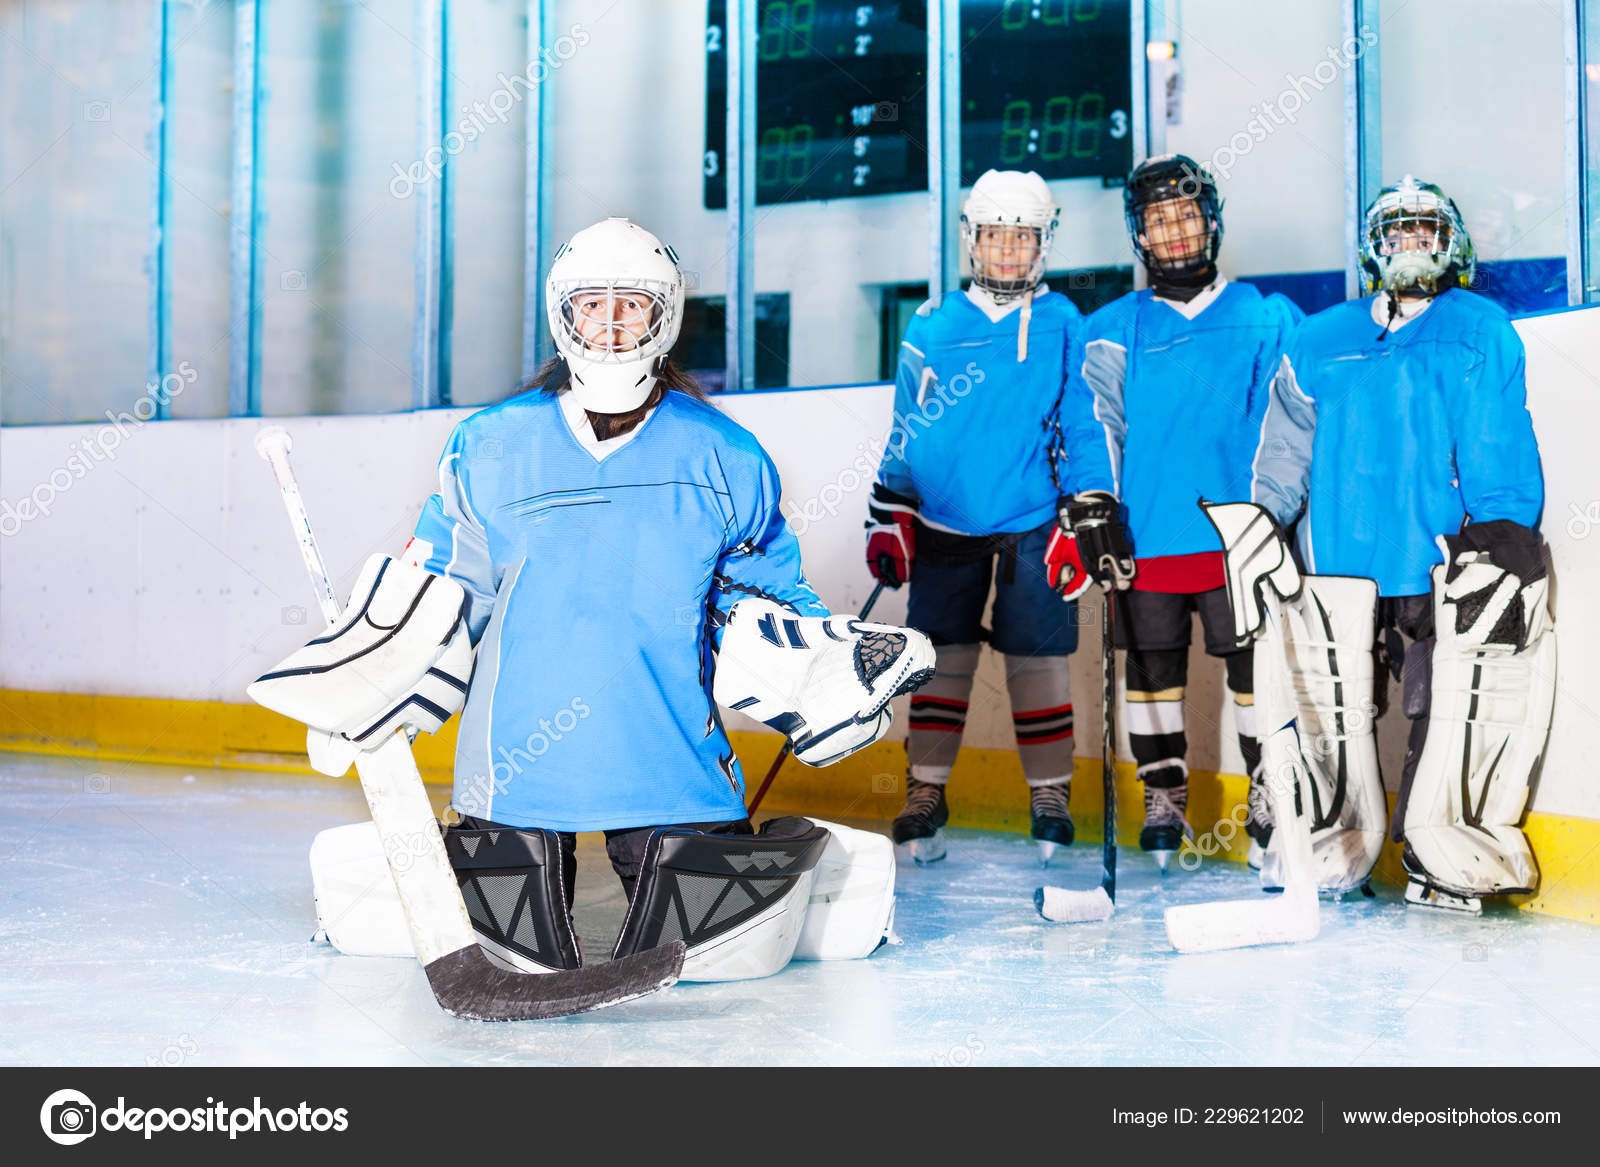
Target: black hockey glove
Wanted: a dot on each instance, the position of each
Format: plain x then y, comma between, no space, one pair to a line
1493,575
1095,520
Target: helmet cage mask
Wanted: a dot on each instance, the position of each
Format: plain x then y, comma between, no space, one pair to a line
1423,214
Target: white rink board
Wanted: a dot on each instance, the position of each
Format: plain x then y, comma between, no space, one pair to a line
166,570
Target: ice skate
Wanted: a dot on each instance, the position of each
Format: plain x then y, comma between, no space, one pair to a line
917,835
1164,825
1425,895
1052,819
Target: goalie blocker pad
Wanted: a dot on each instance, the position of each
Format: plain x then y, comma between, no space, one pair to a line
1330,629
1488,719
400,655
823,682
738,902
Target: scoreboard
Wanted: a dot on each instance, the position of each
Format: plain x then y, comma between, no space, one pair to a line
842,100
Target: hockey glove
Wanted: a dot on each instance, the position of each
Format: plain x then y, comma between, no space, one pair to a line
1062,566
891,536
1095,520
1494,582
825,683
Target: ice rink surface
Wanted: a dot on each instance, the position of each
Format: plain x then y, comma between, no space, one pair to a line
153,915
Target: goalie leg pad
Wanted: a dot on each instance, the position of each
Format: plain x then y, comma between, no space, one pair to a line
851,914
358,908
737,901
1331,626
1488,719
516,884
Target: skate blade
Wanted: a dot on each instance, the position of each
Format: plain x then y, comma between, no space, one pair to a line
1431,897
1163,859
1255,856
921,851
1046,850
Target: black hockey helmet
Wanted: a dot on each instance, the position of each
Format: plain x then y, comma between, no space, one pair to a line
1170,177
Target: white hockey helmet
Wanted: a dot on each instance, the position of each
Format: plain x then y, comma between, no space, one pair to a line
614,298
1009,198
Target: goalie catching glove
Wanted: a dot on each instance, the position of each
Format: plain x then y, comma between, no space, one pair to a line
825,683
398,658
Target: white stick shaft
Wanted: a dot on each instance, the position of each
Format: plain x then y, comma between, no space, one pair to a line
278,457
389,776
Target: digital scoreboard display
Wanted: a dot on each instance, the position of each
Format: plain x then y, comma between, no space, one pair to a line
842,99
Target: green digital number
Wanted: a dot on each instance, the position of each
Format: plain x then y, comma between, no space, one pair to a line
1015,121
1091,117
803,19
797,167
769,156
1053,13
1014,14
1057,138
1085,10
774,31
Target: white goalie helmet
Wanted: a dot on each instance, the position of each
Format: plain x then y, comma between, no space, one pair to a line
1009,198
614,298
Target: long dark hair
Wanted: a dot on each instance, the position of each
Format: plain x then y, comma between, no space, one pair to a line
553,376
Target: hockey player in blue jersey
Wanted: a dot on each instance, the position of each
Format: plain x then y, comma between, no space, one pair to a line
617,556
1398,444
966,498
1180,375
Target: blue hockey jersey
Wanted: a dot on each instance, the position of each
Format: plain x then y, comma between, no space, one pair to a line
1181,402
595,573
971,441
1392,442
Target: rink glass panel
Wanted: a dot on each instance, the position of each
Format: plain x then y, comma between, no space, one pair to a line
1473,100
336,243
75,203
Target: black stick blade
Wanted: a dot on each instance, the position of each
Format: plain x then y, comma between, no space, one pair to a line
467,984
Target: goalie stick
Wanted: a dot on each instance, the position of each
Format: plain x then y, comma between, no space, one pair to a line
788,746
464,981
1294,915
1064,905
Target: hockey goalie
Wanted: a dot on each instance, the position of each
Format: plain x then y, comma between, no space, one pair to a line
603,562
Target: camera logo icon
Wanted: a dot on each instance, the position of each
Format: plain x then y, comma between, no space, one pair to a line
68,1117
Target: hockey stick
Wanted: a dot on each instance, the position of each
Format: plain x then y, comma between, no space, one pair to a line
788,747
1294,915
464,981
1063,905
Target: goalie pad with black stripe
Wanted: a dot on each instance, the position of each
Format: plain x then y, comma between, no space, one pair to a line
514,888
1330,630
1489,706
824,682
399,656
737,901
